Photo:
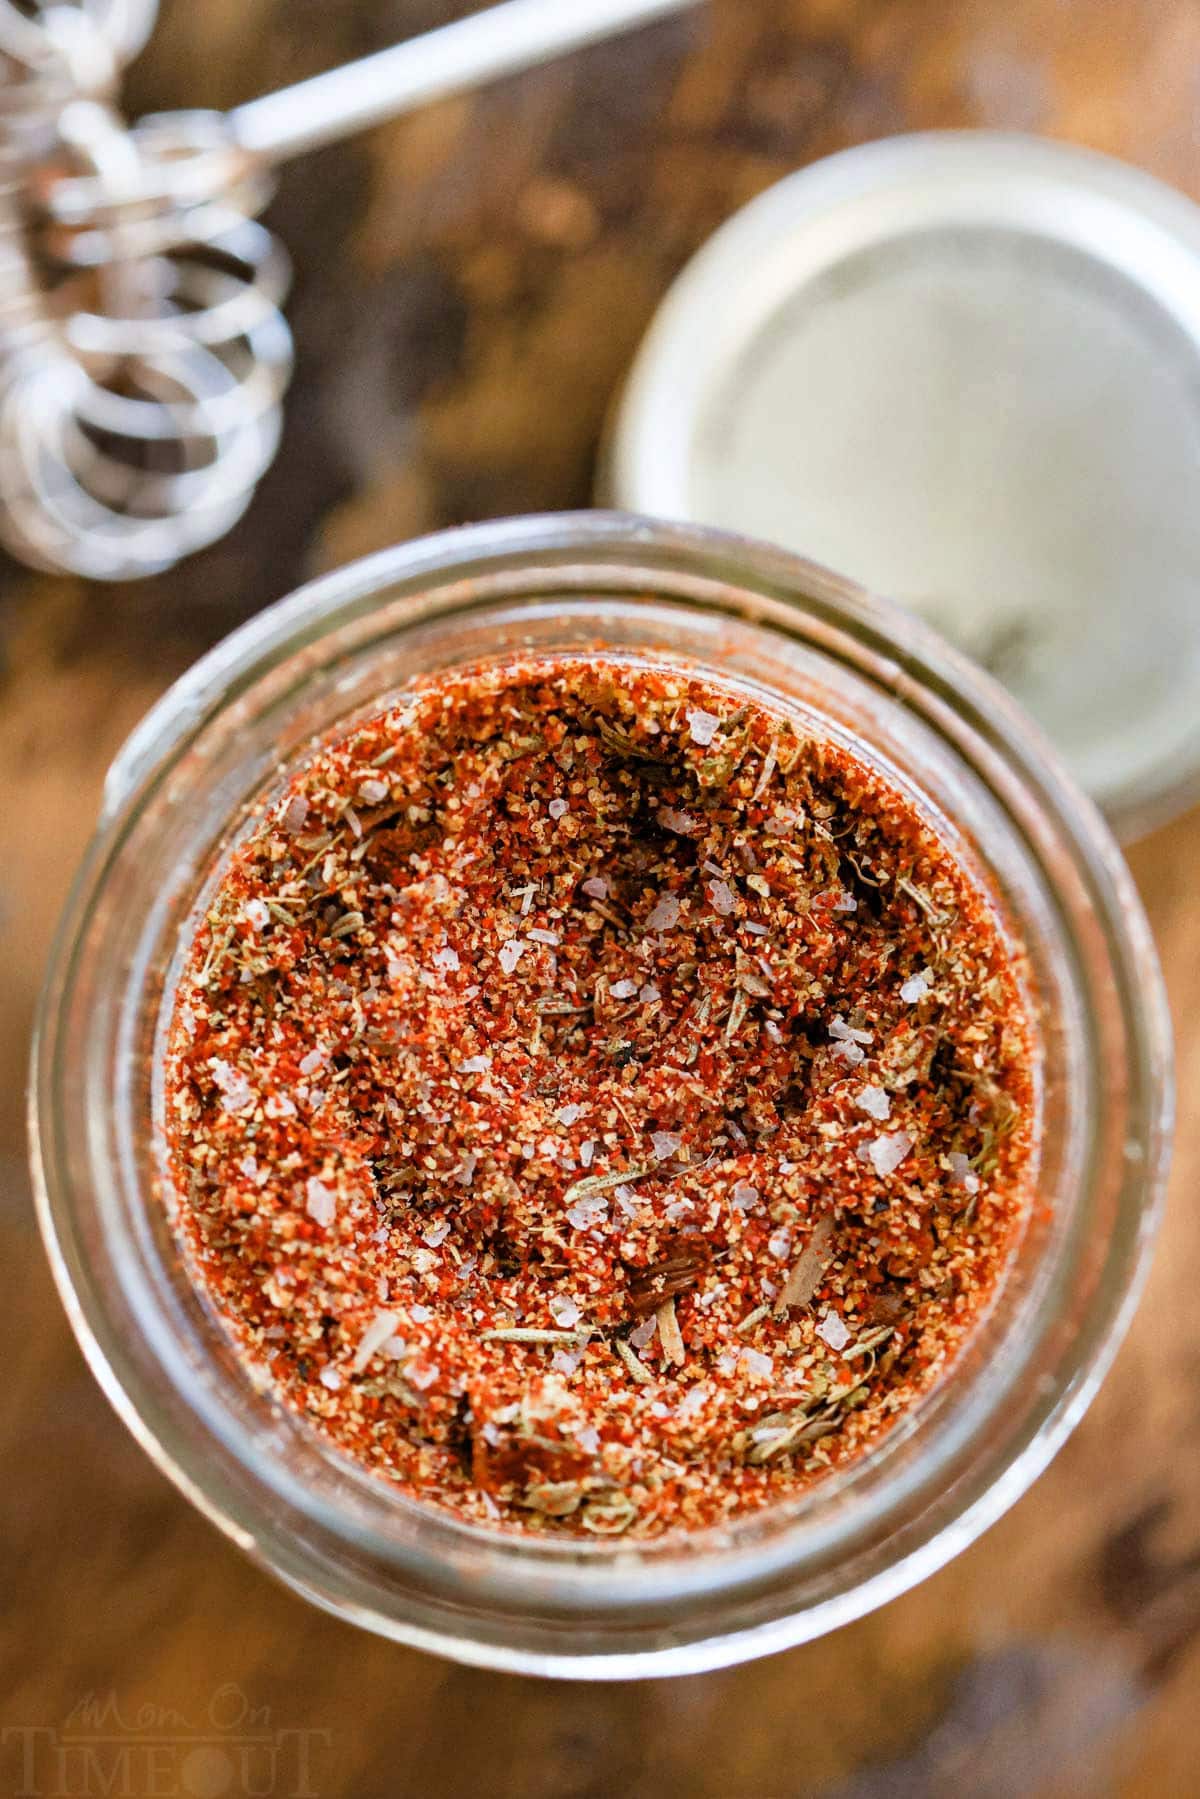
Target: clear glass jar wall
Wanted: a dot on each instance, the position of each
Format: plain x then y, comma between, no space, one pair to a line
219,740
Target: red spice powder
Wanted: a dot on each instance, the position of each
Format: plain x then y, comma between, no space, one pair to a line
598,1104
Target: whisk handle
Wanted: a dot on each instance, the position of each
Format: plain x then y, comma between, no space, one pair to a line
518,34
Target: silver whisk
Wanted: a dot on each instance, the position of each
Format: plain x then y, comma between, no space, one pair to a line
143,350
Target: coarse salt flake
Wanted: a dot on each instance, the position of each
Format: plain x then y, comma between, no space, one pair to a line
702,725
841,1032
320,1201
665,915
329,1377
511,953
381,1327
692,1402
887,1152
564,1312
649,993
643,1334
447,958
541,936
256,913
588,1212
874,1102
779,1243
596,887
916,987
832,1330
623,989
373,791
420,1314
744,1195
721,897
674,819
475,1065
236,1092
962,1175
435,1234
558,808
665,1143
569,1115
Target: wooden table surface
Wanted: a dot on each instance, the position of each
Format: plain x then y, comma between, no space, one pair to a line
470,285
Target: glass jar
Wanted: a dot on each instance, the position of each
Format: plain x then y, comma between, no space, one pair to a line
222,737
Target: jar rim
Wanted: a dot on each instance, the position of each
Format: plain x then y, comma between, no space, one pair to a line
914,662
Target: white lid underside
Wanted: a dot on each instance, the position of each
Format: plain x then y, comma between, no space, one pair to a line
965,372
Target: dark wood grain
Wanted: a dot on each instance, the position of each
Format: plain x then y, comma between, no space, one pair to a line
470,286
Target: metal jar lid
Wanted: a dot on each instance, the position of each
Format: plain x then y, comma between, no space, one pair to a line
963,369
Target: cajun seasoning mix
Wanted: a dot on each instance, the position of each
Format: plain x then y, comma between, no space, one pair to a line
596,1103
